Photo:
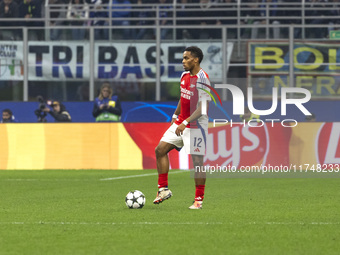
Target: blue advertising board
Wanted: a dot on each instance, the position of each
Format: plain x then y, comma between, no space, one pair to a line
325,111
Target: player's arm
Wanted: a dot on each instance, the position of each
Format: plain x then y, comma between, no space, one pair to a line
197,113
177,112
194,116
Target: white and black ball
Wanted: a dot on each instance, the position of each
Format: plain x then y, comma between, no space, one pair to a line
135,199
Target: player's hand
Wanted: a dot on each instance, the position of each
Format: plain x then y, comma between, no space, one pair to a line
46,109
180,129
173,120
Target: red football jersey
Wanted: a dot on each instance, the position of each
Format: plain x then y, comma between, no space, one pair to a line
192,94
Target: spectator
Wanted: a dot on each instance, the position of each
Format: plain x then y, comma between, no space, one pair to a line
164,15
7,116
58,16
142,16
107,106
183,11
100,17
273,11
8,10
78,14
334,6
205,12
121,12
293,10
250,15
59,112
83,93
29,10
227,13
317,8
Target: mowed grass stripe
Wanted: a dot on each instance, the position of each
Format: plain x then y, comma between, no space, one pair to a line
111,223
104,179
169,223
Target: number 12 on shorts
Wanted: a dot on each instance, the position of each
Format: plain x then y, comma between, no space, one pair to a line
197,141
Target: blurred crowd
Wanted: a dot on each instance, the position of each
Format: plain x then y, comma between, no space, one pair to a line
84,13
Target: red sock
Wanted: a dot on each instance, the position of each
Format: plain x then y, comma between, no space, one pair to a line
163,180
199,195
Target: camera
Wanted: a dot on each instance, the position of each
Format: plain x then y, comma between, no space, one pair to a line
39,112
42,103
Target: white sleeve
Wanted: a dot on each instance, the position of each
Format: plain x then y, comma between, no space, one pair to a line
202,88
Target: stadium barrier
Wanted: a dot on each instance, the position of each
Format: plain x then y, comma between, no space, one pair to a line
131,145
162,111
68,146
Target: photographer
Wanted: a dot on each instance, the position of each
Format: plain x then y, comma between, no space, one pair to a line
59,112
7,116
107,106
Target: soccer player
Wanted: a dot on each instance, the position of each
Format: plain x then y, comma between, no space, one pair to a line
188,126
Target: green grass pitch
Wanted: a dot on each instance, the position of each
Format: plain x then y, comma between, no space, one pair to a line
76,212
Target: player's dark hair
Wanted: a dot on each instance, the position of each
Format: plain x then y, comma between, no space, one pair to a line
196,52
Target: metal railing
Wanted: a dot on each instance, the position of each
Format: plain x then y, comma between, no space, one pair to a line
236,13
238,60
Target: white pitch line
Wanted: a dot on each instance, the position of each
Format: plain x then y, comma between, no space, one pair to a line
139,175
302,223
105,179
46,180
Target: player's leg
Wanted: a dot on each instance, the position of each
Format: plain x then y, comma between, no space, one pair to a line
162,159
168,142
195,144
200,179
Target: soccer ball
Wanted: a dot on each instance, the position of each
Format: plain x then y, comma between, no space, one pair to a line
135,199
